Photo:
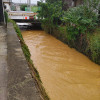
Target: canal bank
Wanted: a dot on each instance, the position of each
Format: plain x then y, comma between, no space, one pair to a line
20,84
89,46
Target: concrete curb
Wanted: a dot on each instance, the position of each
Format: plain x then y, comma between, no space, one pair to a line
20,86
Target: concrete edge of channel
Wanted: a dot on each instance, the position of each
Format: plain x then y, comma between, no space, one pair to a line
20,84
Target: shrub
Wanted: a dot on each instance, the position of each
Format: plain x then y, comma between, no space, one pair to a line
50,13
94,46
80,20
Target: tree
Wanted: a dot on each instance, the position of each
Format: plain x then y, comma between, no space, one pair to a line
23,7
50,13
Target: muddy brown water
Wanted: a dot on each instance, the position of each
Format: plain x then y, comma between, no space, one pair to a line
66,74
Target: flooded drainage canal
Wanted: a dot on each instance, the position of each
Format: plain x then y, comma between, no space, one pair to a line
65,73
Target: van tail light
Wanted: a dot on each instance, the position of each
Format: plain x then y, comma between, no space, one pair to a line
31,17
25,17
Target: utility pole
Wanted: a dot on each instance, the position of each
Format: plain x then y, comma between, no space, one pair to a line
29,4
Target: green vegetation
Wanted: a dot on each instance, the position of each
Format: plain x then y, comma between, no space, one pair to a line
23,7
50,13
27,54
34,8
6,17
77,26
94,46
79,23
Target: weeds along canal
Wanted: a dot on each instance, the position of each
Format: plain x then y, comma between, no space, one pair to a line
66,74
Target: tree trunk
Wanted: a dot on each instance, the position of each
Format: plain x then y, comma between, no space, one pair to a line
67,4
99,17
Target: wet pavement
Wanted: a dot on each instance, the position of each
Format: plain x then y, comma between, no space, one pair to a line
3,64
